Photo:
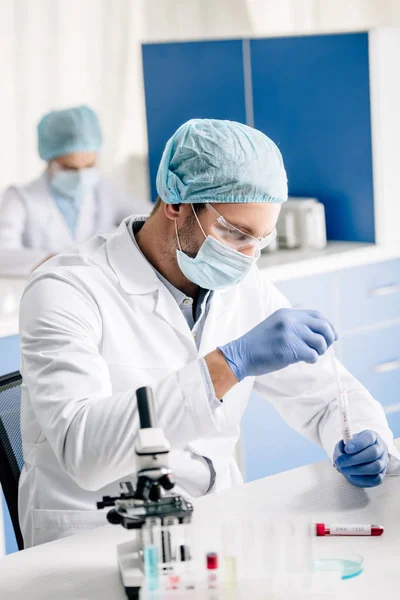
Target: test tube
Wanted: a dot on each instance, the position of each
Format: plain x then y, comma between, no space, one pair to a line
170,545
168,539
212,570
152,529
150,560
345,416
184,554
229,555
343,404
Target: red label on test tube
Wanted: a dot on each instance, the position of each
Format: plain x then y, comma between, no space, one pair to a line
369,530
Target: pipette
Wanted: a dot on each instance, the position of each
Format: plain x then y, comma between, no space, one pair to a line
342,401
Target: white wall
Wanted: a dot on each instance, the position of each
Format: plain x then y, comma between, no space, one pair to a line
384,52
55,54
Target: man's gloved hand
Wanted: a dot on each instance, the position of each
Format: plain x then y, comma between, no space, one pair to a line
364,460
288,336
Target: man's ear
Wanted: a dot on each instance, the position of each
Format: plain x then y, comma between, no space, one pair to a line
174,211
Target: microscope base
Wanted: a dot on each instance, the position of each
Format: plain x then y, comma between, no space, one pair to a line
131,568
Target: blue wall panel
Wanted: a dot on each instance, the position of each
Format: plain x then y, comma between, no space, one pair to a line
311,95
11,542
9,354
190,80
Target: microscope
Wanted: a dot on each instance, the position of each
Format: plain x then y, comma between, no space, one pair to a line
152,500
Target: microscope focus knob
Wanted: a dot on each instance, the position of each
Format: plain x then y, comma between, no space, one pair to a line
167,482
113,517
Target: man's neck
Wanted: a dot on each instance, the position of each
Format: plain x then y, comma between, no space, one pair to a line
152,240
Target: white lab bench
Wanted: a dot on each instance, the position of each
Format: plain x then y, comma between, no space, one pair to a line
84,566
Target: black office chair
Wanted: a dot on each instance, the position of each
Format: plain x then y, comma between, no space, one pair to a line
11,458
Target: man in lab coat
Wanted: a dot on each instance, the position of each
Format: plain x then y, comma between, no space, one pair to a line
70,202
176,302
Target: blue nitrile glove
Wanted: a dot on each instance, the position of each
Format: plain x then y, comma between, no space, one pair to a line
288,336
364,460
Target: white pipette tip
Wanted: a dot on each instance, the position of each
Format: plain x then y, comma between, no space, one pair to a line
335,370
341,398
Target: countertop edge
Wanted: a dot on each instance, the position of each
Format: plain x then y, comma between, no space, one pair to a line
345,257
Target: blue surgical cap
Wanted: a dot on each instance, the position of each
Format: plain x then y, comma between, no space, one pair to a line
71,130
208,160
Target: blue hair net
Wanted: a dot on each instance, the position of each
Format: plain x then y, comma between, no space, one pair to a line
208,160
71,130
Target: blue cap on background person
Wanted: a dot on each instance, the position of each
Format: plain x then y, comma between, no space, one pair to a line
209,160
66,131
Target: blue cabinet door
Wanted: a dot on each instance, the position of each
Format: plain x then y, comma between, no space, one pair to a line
9,354
316,293
394,423
311,96
269,445
190,80
374,358
369,294
11,542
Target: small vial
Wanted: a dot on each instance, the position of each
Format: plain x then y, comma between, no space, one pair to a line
212,570
187,567
150,559
230,545
230,571
173,582
168,542
151,535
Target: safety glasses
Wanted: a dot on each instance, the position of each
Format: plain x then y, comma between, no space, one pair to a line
234,237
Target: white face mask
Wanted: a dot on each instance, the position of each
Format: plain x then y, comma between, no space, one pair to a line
216,265
74,183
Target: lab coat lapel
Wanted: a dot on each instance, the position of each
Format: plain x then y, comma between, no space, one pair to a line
167,308
214,323
137,276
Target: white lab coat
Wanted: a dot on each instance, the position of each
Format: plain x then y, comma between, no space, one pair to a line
32,226
96,323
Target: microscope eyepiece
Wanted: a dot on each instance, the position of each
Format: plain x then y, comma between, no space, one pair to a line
145,404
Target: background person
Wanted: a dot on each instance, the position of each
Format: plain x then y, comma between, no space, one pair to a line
71,201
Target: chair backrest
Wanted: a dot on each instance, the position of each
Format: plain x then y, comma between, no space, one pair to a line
11,457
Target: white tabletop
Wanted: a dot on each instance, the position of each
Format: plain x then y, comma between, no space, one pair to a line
84,566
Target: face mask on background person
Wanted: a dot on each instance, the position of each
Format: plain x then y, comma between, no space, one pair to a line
74,183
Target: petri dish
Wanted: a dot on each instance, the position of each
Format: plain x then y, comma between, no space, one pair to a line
347,566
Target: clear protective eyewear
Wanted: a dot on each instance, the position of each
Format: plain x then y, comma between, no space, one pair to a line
234,237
